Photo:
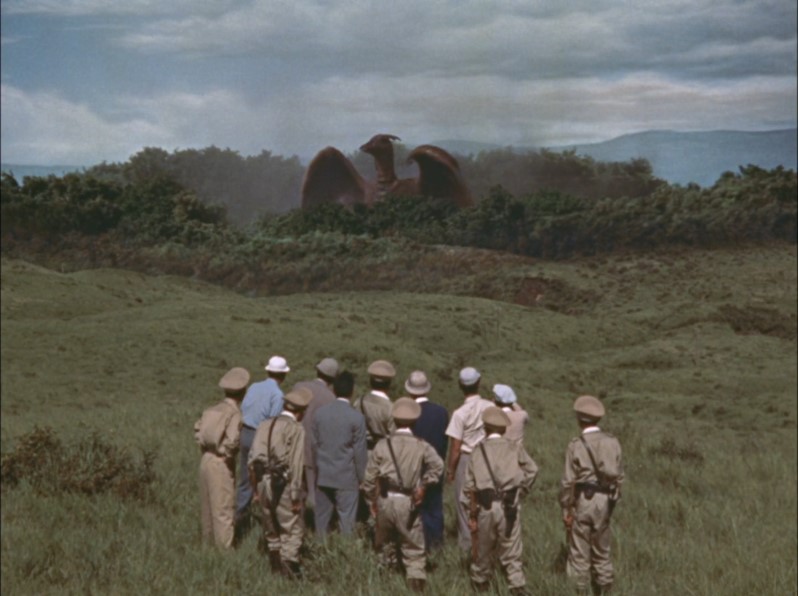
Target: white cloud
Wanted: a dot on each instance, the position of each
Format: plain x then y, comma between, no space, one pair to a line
44,128
74,8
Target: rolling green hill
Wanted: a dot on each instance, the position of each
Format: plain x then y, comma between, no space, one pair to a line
693,352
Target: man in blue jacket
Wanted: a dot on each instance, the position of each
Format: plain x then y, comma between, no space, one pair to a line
338,444
430,426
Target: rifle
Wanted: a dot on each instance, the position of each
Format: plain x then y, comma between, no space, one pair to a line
474,515
277,482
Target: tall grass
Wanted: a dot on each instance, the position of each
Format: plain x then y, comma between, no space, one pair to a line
706,415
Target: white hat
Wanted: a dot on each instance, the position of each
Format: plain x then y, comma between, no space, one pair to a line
328,367
504,394
469,376
277,364
417,384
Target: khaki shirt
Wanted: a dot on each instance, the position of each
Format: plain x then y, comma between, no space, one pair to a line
578,467
511,464
219,429
466,422
419,463
518,420
376,409
287,452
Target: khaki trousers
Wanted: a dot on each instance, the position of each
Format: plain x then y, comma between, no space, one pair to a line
287,538
393,513
493,543
463,533
589,545
217,500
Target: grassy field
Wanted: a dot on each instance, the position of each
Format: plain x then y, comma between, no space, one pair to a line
694,354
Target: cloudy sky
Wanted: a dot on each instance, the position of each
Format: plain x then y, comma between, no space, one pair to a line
85,81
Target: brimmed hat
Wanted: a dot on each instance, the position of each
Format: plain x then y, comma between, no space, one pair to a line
588,408
235,379
405,409
328,367
504,394
469,376
495,417
417,383
382,368
277,364
298,398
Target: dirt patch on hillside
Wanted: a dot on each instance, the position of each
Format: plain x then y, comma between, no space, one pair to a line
753,320
555,295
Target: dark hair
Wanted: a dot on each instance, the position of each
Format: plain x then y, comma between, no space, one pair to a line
380,383
344,384
470,389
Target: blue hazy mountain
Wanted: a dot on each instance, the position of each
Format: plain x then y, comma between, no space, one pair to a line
21,171
679,157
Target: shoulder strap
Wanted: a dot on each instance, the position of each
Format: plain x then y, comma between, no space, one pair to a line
269,441
395,465
592,459
487,463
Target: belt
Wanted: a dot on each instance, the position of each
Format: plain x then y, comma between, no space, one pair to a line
590,486
392,494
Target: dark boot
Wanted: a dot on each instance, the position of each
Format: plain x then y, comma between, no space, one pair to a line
417,585
275,561
604,590
480,587
520,591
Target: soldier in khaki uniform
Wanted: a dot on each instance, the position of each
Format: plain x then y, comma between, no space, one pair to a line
400,469
276,466
589,489
499,473
217,432
376,404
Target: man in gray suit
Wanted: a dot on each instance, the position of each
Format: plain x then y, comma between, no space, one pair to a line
339,448
321,388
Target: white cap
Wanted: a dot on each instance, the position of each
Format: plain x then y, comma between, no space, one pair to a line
504,394
277,364
469,376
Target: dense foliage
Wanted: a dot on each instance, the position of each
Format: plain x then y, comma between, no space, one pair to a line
140,204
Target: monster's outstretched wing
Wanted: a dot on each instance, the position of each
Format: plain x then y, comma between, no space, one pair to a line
439,175
331,178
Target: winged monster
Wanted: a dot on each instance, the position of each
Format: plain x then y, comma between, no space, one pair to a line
332,178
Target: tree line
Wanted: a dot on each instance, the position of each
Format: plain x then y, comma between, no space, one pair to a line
575,206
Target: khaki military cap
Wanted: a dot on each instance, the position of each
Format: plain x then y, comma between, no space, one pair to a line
328,367
382,368
588,407
298,398
406,408
235,379
417,383
495,417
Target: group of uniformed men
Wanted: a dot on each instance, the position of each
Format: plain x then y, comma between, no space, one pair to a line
313,446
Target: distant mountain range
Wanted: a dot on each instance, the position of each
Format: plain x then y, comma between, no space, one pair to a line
679,157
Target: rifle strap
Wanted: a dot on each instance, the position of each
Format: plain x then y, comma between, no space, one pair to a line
395,465
487,463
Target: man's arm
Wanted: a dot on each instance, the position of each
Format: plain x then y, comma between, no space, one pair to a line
454,458
361,453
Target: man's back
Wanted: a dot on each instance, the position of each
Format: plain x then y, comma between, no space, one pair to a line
322,395
431,426
339,445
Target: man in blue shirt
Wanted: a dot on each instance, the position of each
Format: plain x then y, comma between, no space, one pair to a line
263,400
